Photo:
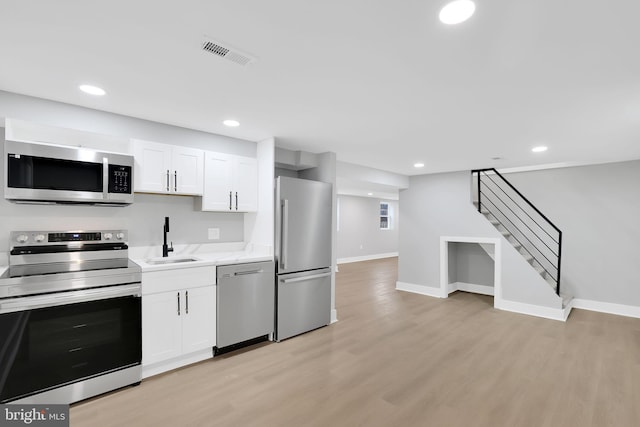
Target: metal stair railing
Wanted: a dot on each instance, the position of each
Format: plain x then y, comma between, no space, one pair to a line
533,231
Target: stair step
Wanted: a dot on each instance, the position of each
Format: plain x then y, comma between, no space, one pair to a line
541,271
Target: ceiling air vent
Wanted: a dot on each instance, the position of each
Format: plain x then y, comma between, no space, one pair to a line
227,52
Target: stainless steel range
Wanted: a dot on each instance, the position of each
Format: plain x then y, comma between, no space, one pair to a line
70,316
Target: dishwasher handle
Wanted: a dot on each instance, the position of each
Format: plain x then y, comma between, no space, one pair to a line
247,272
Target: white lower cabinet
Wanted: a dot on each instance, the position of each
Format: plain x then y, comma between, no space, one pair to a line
199,319
161,328
178,322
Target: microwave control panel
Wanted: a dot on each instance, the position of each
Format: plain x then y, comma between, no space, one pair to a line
120,179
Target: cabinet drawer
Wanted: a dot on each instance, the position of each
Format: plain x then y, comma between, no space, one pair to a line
154,282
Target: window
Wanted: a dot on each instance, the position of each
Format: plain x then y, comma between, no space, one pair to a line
385,219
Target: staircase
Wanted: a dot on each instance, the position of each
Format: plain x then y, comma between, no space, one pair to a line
527,229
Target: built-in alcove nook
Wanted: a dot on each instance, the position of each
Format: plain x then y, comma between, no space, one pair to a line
470,264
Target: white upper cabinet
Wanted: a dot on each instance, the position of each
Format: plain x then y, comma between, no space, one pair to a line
218,182
246,184
167,169
230,183
188,166
152,163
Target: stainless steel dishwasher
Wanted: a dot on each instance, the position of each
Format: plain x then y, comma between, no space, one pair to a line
245,304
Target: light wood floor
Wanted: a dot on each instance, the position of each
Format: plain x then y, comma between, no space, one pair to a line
400,359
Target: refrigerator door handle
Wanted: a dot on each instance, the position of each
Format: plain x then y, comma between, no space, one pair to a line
285,234
304,278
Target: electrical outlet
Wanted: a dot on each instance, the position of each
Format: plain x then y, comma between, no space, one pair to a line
360,246
214,233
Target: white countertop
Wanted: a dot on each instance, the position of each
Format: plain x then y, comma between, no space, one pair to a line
204,259
204,254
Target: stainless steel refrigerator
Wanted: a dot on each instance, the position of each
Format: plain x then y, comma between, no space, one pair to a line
303,255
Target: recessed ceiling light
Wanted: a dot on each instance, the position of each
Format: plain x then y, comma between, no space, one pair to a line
539,149
369,194
92,90
457,11
418,165
231,123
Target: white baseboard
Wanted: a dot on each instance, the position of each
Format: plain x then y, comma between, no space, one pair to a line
470,287
366,257
532,310
430,291
567,310
334,315
607,307
178,362
501,304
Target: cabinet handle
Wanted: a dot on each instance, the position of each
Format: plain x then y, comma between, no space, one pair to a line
186,297
178,303
236,200
230,199
175,181
167,179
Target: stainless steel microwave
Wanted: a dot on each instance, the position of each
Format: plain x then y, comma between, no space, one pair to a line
42,173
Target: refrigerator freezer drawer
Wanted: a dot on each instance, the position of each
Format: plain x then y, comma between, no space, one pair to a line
304,302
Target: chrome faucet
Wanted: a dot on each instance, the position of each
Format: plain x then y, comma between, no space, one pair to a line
166,249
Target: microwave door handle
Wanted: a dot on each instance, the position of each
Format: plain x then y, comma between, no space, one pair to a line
105,178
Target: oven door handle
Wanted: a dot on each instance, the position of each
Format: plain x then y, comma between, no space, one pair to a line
71,297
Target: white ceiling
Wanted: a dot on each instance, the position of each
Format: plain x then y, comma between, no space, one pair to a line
381,83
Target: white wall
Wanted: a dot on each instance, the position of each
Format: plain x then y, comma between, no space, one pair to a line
597,208
359,233
356,180
58,114
259,226
469,263
440,205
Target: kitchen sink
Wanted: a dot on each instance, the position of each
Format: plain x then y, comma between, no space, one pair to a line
160,261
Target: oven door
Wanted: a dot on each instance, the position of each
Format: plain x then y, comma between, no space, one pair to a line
54,340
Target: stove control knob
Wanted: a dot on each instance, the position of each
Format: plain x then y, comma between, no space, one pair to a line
108,236
40,238
22,238
120,236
